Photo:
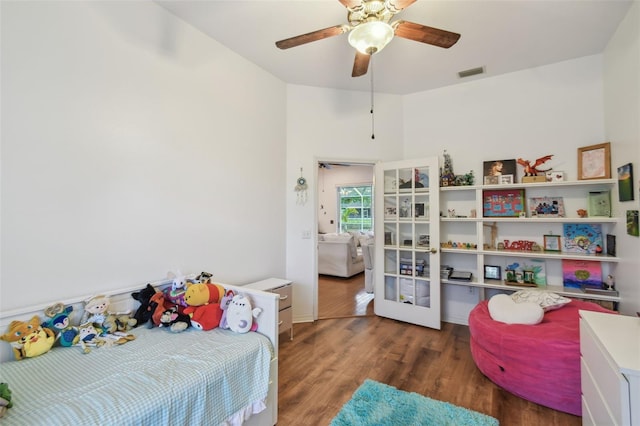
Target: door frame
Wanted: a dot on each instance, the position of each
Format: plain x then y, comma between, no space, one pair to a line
316,209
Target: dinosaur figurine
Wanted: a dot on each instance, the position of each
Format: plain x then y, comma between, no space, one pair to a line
531,168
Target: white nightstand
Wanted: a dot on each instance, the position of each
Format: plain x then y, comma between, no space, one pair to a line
285,289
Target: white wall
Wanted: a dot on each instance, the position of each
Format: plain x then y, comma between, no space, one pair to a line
547,110
328,182
622,122
324,124
126,153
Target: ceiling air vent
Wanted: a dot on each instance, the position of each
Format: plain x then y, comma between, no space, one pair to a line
470,72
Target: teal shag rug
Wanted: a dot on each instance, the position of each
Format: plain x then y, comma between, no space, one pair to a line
378,404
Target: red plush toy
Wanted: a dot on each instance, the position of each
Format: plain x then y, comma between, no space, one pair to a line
204,305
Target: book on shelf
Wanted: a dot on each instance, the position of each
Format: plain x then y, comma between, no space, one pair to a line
599,290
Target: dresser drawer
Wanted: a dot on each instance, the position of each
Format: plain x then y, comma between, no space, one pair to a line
597,411
285,293
600,372
285,320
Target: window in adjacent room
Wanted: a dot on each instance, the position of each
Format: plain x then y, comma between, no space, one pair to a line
356,208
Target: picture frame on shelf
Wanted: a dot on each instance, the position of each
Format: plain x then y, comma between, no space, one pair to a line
506,179
551,243
599,204
503,202
594,161
499,168
546,207
625,182
492,180
492,272
420,210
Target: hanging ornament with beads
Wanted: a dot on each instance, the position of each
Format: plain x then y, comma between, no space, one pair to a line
301,189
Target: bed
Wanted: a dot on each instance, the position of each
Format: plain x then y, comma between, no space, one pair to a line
193,377
540,363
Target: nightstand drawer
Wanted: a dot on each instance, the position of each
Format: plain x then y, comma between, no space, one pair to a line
285,293
285,321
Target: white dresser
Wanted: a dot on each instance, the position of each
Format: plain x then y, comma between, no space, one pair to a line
610,369
284,288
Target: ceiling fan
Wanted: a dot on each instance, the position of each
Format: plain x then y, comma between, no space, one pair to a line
370,30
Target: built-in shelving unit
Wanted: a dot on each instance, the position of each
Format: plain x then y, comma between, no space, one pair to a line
462,222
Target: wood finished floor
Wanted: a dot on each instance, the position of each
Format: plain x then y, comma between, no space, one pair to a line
328,359
343,297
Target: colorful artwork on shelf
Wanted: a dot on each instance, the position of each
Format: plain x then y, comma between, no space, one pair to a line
599,204
503,203
531,271
583,238
581,273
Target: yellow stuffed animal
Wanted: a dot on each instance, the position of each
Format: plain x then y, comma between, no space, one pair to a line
29,339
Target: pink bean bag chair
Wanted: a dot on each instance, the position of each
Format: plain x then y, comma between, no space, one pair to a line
540,363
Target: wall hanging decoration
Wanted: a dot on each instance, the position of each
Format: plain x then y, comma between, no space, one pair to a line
594,161
632,223
301,189
625,182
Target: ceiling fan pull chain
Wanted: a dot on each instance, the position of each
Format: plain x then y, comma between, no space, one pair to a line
373,136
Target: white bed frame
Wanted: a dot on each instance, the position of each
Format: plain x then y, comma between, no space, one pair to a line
121,300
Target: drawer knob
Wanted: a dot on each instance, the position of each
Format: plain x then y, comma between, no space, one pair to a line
280,322
284,297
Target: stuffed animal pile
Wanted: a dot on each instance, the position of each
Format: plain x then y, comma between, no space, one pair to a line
197,303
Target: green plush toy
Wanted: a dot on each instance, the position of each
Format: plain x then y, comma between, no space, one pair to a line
5,398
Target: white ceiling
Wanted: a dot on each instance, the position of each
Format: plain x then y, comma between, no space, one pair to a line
502,36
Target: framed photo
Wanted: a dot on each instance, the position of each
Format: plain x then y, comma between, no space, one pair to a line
546,207
502,202
491,180
506,179
492,272
625,182
499,167
420,210
594,161
551,243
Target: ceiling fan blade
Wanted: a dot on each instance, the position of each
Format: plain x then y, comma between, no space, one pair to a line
312,36
350,4
424,34
360,64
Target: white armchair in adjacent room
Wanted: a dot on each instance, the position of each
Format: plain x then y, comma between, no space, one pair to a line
368,254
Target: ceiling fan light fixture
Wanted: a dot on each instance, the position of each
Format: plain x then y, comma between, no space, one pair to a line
371,37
